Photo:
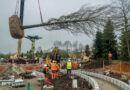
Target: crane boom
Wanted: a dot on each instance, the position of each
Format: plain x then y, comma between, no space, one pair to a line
21,19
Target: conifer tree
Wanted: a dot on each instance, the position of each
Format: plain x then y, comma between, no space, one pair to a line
109,41
98,45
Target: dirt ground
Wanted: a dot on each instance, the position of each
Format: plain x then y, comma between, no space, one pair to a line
60,84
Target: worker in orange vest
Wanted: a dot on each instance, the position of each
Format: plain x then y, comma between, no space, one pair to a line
57,72
75,65
90,57
54,68
109,56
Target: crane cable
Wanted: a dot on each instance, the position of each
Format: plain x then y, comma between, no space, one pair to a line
40,12
16,8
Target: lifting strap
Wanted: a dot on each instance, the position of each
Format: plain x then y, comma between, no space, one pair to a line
16,8
40,12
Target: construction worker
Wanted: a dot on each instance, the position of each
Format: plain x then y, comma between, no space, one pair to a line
69,67
45,71
58,68
90,57
54,68
109,57
75,65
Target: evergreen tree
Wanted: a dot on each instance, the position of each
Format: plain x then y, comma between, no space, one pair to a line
109,41
98,45
87,50
123,46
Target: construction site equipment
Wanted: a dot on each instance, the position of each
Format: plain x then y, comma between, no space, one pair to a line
16,23
55,55
19,48
58,23
48,60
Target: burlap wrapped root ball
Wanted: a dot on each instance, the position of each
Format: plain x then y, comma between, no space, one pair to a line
15,27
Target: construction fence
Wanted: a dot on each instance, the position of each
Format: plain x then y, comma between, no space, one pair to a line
121,68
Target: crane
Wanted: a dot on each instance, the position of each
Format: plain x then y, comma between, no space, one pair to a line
21,19
17,28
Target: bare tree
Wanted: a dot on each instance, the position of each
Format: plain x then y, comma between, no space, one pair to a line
81,47
85,20
75,46
57,44
121,18
67,44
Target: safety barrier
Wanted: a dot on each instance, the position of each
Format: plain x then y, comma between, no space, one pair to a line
87,78
117,82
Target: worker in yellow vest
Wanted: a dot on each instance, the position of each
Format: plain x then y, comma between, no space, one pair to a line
69,67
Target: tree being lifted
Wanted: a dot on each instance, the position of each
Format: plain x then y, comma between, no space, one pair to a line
83,21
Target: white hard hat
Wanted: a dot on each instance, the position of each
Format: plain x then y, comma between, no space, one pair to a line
45,65
54,61
69,60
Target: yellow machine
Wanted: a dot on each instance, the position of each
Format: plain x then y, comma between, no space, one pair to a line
48,60
19,48
54,56
55,53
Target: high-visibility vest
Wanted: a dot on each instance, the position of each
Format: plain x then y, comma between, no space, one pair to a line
46,69
69,65
75,65
53,66
57,67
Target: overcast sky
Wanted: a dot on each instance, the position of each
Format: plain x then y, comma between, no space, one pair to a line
50,9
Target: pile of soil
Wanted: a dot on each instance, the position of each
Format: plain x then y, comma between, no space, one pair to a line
13,69
61,84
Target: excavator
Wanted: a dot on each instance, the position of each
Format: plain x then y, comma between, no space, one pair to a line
54,56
